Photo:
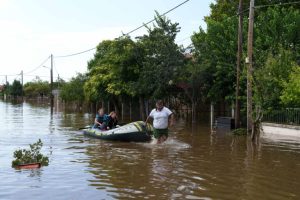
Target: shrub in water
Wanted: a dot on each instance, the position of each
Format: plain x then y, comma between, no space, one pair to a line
24,156
240,131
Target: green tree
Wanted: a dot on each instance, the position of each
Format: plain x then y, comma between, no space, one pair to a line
113,71
215,53
37,88
195,81
73,91
16,89
162,58
276,28
270,78
159,61
291,89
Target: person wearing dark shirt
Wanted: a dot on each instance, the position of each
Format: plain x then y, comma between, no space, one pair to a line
112,120
100,119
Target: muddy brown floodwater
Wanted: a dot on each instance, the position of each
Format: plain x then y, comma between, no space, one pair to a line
192,164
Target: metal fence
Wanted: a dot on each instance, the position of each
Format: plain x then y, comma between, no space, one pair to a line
284,116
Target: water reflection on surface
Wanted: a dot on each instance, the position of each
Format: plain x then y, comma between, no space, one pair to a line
193,164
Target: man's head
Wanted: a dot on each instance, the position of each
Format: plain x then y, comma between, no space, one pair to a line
159,104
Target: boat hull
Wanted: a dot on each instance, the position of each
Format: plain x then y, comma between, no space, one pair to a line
133,132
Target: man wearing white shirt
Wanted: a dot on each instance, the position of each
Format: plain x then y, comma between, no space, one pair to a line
161,117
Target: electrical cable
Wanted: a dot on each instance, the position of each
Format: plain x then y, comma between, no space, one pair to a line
81,52
41,65
277,4
154,18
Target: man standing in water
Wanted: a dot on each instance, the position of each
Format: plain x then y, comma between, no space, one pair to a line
161,117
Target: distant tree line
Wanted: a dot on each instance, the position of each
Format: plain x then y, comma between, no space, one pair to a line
36,88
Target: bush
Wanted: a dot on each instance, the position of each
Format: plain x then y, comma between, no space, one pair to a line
24,156
239,131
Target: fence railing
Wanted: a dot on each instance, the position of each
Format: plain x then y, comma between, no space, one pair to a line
284,116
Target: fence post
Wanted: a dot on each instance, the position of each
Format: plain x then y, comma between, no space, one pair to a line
211,116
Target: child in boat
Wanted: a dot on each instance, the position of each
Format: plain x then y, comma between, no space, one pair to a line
112,120
100,118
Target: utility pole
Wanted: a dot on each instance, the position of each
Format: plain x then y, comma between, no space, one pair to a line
22,78
250,66
238,65
58,81
6,84
51,82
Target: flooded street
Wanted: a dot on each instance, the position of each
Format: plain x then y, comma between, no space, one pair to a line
193,164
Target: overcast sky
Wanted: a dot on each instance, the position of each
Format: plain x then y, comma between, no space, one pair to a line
31,30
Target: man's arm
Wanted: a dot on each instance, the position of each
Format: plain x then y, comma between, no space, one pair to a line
149,116
96,121
147,120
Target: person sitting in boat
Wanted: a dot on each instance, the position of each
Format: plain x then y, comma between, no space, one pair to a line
112,120
100,119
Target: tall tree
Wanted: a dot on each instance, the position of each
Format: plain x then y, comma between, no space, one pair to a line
161,60
290,95
162,57
73,90
36,88
16,89
113,71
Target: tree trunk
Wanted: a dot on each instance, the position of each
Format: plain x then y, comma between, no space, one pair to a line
116,105
142,108
193,112
147,106
238,66
256,125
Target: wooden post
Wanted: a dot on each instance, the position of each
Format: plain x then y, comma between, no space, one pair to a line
211,116
238,66
22,82
232,110
51,83
250,66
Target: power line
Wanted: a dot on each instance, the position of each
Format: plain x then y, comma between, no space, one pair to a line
17,76
74,54
154,18
55,68
36,76
9,74
266,5
277,4
38,66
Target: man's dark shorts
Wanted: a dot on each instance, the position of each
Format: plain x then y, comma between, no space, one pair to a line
160,132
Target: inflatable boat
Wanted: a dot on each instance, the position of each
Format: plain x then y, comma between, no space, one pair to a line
133,132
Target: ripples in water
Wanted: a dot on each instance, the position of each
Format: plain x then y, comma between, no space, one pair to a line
192,164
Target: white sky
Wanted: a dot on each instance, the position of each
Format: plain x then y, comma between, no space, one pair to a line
31,30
